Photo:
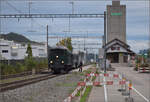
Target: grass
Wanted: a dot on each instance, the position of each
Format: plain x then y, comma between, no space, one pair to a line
94,65
75,73
78,73
81,80
86,94
71,91
93,78
78,93
88,71
97,72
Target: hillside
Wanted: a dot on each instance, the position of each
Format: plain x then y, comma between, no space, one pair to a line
16,38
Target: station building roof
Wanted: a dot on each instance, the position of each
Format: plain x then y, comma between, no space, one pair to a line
118,43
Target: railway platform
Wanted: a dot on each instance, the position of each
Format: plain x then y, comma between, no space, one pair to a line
106,93
96,94
111,92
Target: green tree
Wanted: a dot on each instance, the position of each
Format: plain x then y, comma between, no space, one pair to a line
29,51
69,44
148,54
66,42
1,56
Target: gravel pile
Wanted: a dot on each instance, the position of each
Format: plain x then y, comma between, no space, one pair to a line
52,90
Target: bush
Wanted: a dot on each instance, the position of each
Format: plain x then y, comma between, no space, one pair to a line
17,68
8,69
3,66
144,65
41,65
136,68
30,63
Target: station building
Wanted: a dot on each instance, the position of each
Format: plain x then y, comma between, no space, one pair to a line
117,50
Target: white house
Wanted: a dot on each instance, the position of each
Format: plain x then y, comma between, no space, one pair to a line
10,50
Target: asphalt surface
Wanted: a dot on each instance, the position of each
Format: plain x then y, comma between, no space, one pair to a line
140,81
107,93
97,93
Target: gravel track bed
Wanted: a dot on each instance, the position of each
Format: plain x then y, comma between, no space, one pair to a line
51,90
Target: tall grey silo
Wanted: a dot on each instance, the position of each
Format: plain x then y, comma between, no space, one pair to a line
116,21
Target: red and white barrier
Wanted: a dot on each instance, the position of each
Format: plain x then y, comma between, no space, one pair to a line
143,70
85,83
69,98
102,83
105,75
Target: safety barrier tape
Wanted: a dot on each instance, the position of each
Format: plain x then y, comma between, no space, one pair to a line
102,83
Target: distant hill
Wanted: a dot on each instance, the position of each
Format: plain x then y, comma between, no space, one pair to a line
16,38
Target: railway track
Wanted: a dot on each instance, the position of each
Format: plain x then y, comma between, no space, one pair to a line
17,84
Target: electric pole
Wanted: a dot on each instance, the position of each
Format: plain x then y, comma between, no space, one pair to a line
104,41
47,43
72,3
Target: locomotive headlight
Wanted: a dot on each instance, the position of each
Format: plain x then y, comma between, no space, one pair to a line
51,62
62,61
56,56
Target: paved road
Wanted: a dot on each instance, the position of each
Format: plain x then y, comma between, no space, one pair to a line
141,82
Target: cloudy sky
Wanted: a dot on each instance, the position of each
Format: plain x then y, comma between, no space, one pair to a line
137,26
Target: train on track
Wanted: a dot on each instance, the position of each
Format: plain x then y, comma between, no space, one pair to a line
61,60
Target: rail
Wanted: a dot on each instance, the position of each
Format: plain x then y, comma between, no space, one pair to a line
17,84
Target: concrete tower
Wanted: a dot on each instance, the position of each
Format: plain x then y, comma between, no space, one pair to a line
116,22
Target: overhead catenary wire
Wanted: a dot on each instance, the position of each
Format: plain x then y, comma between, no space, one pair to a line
20,11
13,7
67,0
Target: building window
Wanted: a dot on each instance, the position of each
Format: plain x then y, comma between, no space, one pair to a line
4,51
118,48
112,48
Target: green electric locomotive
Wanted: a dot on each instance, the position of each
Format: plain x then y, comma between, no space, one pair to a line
60,59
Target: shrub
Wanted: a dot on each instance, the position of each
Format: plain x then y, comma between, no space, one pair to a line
8,69
20,68
41,65
144,65
136,68
30,63
3,66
